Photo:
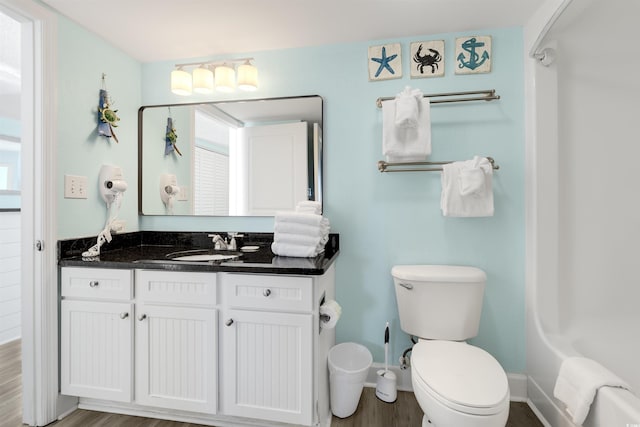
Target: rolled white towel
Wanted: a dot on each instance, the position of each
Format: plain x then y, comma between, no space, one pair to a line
303,229
408,107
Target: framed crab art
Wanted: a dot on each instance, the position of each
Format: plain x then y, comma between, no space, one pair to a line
427,59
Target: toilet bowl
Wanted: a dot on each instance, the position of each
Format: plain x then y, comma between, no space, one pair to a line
455,383
458,385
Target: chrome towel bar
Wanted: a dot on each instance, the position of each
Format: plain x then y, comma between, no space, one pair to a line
441,98
407,166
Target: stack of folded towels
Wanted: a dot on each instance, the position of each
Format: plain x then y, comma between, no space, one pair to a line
302,233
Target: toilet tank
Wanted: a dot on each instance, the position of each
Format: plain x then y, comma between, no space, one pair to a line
439,301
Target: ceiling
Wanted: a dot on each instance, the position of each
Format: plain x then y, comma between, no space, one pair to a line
157,30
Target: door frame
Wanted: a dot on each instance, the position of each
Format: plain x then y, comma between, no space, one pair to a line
42,403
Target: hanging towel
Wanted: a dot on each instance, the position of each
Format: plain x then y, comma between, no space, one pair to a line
578,381
467,189
408,107
406,143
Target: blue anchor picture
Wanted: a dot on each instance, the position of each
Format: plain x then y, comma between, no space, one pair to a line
475,59
384,62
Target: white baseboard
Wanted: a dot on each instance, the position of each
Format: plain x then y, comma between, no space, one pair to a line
517,382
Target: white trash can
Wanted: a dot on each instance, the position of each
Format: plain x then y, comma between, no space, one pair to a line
349,364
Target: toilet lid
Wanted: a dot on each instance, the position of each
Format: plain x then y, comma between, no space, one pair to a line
460,374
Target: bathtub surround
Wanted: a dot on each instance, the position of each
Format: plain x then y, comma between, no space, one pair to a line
582,293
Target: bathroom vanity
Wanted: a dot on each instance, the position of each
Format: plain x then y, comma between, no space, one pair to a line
231,342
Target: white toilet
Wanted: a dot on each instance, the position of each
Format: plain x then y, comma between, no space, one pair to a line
455,383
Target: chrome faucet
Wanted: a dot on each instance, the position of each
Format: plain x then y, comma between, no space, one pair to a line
219,242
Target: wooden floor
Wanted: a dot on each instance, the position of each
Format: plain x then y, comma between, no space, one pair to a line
371,412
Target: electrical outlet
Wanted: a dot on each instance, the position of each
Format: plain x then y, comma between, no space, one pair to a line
183,195
75,187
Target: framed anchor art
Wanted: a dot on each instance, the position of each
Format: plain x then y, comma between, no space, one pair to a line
473,55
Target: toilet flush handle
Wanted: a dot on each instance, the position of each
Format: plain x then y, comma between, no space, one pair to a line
406,285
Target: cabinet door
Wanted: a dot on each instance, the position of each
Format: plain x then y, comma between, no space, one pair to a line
176,357
96,353
268,366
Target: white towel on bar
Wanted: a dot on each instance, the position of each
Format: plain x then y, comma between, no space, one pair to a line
408,107
467,188
403,144
578,381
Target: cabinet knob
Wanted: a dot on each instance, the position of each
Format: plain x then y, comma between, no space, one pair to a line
94,283
124,315
142,317
229,322
266,292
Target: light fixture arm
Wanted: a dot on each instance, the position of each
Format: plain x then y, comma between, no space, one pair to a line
215,63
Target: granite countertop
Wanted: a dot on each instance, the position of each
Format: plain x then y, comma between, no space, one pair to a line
149,250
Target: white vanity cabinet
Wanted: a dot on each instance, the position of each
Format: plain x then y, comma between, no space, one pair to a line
269,334
203,347
176,343
96,337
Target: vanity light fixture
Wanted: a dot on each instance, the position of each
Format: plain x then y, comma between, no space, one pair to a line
180,82
220,75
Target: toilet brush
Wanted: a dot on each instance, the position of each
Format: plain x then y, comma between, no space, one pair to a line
386,381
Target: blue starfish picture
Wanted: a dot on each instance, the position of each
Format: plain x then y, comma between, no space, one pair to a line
385,62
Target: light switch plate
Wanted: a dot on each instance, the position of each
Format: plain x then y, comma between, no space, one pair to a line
75,187
183,195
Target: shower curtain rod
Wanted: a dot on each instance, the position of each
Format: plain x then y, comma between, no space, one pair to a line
384,166
482,95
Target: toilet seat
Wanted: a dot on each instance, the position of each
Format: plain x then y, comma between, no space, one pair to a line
460,376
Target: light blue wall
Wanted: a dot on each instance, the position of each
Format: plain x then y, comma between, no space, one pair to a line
388,219
383,219
82,58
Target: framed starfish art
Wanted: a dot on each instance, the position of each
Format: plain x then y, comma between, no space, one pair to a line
385,62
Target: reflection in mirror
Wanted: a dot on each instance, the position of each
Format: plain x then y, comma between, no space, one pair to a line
233,158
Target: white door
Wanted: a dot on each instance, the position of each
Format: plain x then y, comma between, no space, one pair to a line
268,366
176,357
96,354
268,159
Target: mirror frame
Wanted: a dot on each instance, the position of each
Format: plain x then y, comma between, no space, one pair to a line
315,180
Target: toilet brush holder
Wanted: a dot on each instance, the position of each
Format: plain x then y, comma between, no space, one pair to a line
386,386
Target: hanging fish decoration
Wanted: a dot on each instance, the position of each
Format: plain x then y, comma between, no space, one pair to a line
170,138
107,117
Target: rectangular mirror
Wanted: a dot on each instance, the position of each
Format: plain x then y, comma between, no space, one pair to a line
230,158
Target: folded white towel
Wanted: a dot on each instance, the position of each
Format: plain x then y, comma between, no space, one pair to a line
408,107
578,381
303,229
406,143
300,239
309,206
293,250
467,188
299,218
